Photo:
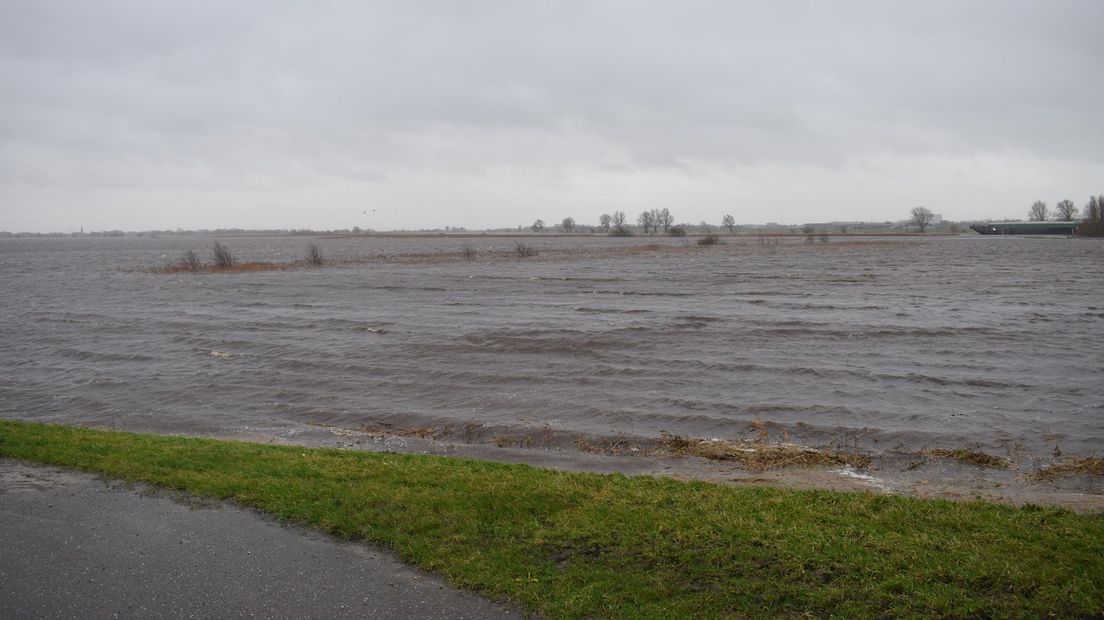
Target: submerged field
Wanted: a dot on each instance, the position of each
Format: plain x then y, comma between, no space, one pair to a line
898,356
574,545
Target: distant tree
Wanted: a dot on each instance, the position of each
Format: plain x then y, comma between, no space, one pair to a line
604,222
538,226
1093,223
568,225
1037,212
729,222
1094,210
705,227
646,220
1065,210
664,218
618,220
921,218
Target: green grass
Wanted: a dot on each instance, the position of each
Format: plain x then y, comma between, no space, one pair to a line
578,545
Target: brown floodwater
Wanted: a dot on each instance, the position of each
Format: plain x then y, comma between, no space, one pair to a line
875,346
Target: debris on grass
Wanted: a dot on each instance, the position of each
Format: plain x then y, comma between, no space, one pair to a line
972,457
615,446
753,456
760,456
1091,466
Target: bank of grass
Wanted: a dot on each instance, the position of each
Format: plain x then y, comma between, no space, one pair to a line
578,545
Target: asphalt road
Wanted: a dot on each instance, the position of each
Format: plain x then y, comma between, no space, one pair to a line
76,546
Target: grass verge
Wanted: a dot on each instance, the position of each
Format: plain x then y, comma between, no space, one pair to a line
578,545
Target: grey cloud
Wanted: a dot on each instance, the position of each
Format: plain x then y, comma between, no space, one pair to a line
298,93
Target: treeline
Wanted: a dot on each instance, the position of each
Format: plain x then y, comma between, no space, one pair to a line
1066,211
616,224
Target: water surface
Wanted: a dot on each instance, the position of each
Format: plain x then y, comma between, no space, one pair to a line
873,345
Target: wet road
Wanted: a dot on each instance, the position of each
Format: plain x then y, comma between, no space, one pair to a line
75,546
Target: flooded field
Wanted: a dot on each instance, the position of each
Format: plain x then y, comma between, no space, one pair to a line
875,347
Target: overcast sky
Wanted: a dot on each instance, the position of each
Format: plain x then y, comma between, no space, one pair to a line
328,114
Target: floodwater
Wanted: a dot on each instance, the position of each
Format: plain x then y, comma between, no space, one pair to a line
871,345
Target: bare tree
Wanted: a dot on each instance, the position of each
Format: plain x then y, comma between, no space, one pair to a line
619,228
664,218
921,218
538,226
1093,223
729,222
810,233
1065,210
190,261
223,258
1037,212
568,225
1094,210
314,255
646,220
604,222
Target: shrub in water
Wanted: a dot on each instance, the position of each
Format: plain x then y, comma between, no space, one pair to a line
223,258
525,251
190,261
314,255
